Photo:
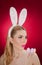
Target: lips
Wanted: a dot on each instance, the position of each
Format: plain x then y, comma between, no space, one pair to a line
23,45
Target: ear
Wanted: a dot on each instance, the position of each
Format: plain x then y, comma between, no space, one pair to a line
22,16
11,40
13,15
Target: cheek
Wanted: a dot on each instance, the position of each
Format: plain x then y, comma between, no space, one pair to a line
25,41
17,40
14,40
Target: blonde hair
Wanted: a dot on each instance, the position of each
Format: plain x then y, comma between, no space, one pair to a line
8,53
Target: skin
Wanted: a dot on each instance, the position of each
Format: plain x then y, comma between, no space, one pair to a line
20,39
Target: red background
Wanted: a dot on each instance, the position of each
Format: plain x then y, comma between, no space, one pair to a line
33,22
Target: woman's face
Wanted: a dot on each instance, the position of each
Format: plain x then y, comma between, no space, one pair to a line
20,38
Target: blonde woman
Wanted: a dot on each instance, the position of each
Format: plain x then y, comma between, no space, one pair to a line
14,53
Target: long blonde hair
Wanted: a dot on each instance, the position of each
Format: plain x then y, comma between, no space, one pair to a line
9,46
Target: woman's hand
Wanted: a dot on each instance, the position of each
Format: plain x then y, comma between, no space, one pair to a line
31,51
34,59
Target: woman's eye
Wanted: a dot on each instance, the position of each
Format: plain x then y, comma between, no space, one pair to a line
20,37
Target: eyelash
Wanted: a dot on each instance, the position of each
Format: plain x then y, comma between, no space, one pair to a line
21,37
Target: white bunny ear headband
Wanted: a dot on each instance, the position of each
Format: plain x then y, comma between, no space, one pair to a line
14,18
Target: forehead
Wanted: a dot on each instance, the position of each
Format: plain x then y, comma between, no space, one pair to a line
21,32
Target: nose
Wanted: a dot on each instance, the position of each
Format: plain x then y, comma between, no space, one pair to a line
24,41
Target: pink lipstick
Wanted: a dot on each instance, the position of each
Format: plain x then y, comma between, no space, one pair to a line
23,45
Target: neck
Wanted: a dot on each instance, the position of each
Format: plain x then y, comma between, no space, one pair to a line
17,50
18,47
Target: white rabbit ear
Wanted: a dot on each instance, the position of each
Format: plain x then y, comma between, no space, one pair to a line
13,15
22,16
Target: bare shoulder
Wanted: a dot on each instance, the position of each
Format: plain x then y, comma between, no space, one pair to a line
35,59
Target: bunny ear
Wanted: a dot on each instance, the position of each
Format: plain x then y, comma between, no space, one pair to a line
22,16
13,15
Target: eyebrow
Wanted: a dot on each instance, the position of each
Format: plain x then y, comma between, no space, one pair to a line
22,35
